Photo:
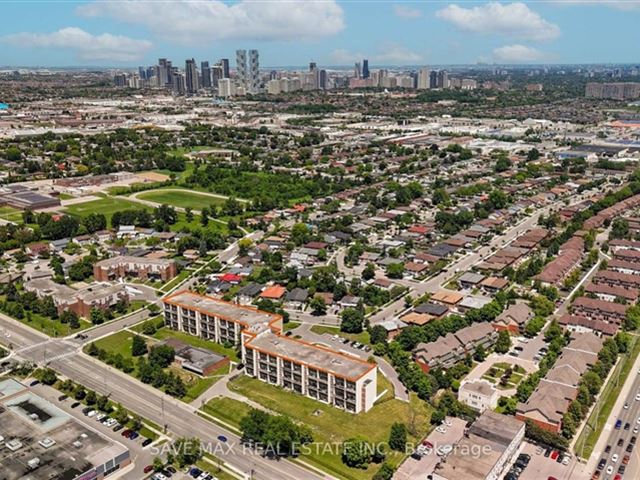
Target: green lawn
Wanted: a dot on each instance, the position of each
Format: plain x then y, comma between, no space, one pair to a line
51,327
11,214
358,337
290,326
181,198
176,280
328,423
120,343
65,196
213,468
194,341
608,397
107,206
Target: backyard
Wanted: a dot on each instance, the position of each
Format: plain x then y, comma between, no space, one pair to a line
328,423
504,375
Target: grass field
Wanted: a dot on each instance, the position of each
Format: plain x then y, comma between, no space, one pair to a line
181,198
328,423
11,214
107,206
608,397
194,341
358,337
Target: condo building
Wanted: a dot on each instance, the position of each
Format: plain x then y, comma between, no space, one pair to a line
139,267
315,371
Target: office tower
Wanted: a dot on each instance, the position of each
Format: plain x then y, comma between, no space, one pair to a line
357,70
253,72
241,67
205,73
424,79
365,68
312,66
216,75
120,80
225,67
323,80
191,76
142,73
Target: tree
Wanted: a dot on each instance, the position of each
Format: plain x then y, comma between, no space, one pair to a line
161,355
253,425
70,317
533,154
318,306
138,346
502,164
369,271
632,318
377,334
188,451
503,343
188,214
440,196
619,228
395,270
48,376
356,452
97,316
121,415
92,349
352,320
398,437
385,472
480,353
91,397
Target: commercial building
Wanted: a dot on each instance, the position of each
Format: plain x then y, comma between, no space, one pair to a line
137,267
43,442
315,371
28,199
485,452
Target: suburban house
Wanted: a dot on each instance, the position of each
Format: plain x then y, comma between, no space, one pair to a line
514,318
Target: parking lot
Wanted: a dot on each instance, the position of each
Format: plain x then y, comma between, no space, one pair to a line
140,456
541,467
422,468
528,349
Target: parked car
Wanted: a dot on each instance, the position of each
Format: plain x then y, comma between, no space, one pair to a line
148,468
62,398
195,472
34,383
618,424
75,404
607,449
146,442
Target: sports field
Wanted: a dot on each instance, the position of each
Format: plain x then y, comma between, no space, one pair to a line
181,198
107,206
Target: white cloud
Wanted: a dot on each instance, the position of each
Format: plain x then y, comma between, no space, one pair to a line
514,20
518,54
404,11
87,47
192,22
387,54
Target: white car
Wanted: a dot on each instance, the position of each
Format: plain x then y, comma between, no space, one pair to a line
92,413
638,397
441,429
635,429
100,416
614,458
638,421
447,422
609,469
444,450
626,405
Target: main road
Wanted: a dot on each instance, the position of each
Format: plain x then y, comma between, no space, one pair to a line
181,419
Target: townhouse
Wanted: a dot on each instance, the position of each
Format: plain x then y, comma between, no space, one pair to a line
514,318
551,399
317,372
453,347
595,308
617,279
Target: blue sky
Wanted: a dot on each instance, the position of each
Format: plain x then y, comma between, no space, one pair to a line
330,32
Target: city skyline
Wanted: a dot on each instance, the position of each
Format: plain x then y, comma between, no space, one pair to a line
330,33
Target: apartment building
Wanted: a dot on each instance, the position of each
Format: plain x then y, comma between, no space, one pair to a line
138,267
317,372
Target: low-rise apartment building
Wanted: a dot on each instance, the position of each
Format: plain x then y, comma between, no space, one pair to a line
617,279
595,308
138,267
317,372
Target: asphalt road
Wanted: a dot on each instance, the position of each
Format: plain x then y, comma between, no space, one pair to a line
631,416
181,419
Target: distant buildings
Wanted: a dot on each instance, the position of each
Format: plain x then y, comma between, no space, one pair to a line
614,91
139,267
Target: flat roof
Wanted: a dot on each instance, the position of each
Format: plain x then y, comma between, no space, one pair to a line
314,356
228,311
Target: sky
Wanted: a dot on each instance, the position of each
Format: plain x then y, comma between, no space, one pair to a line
330,32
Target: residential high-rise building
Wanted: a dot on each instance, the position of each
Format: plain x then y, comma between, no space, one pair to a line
357,70
315,75
142,73
226,88
424,79
217,74
165,72
253,72
443,79
433,79
205,74
323,84
365,68
224,63
241,68
179,84
191,76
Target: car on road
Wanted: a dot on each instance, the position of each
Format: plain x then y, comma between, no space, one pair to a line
614,458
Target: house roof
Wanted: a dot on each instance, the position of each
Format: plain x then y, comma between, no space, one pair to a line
273,292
